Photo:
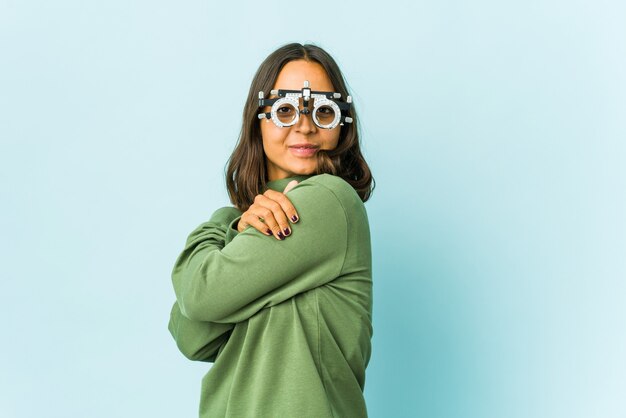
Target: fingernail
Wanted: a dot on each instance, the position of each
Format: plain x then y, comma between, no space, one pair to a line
280,235
286,231
294,218
268,232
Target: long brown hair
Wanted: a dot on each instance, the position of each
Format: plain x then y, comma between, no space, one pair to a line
246,172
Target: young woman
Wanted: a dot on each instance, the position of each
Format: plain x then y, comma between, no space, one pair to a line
277,291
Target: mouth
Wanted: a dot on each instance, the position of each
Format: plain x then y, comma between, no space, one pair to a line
304,151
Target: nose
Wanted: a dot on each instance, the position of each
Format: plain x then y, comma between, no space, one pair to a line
305,124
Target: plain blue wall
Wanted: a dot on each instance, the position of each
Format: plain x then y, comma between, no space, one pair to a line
495,132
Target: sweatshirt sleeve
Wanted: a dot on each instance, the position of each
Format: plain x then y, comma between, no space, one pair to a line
254,271
197,340
201,340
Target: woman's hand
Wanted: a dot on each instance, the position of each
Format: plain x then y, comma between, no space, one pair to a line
270,213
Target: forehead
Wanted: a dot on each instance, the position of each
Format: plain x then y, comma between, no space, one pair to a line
293,74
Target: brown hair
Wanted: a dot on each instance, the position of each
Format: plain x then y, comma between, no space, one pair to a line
246,172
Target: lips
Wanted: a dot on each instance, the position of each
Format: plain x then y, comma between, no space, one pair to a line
304,145
303,150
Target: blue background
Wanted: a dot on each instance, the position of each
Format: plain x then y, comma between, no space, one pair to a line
495,132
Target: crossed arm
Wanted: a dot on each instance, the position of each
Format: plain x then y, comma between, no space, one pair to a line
219,283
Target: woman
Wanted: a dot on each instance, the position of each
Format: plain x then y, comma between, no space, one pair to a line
277,291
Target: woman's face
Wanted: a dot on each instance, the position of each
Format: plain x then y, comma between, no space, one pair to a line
282,155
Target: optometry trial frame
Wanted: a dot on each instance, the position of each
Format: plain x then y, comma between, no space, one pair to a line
328,111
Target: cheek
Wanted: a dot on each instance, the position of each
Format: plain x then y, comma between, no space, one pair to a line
272,135
267,133
263,128
331,139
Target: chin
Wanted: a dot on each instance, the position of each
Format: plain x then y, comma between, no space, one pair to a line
305,171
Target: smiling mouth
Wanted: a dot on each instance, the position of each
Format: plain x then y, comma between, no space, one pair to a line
307,151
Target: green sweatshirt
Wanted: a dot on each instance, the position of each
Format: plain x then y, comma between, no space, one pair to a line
288,324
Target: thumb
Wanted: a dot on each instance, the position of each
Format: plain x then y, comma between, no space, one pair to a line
290,185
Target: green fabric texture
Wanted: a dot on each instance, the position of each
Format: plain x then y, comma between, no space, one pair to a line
287,324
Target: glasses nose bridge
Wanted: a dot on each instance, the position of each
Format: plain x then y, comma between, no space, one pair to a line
308,115
302,109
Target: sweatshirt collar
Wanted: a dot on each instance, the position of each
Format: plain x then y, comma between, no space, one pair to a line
280,184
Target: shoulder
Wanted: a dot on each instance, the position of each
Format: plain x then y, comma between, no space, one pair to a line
328,197
340,188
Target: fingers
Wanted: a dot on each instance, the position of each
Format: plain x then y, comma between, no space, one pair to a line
253,219
273,215
269,214
290,185
287,208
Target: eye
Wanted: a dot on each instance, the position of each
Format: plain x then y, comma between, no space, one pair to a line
284,109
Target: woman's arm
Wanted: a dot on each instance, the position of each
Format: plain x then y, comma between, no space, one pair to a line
197,340
255,271
201,340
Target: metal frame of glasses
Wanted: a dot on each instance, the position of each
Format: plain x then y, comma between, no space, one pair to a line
328,110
